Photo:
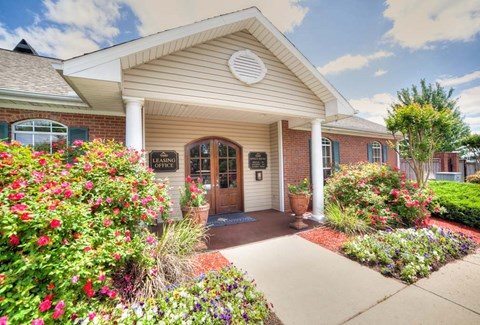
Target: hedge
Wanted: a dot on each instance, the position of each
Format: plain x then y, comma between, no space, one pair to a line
461,201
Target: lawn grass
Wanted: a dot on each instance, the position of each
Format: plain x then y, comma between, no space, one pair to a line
461,201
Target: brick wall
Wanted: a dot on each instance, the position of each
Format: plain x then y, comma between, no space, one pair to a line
296,153
99,126
449,161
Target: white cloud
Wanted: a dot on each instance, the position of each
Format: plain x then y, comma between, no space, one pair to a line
420,24
374,108
159,15
447,82
380,72
352,62
469,101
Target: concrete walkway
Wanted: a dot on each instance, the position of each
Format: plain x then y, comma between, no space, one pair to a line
308,284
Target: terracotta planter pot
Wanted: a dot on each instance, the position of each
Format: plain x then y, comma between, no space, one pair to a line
299,205
199,216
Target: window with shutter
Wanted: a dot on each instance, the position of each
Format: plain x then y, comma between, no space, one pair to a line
4,131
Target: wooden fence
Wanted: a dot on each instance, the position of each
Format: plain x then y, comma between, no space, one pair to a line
468,168
405,167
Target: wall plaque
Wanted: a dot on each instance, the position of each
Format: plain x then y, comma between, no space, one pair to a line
257,160
164,161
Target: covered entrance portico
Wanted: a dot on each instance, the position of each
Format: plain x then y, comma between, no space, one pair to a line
234,77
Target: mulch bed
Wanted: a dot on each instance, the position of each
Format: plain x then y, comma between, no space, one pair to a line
212,261
326,237
458,227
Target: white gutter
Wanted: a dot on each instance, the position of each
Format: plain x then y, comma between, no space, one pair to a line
280,166
24,96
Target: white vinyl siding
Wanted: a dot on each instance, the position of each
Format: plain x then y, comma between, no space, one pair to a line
169,133
200,75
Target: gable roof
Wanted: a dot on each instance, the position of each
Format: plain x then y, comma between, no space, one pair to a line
106,65
358,125
24,47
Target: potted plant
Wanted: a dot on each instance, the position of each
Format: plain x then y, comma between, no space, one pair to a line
299,195
194,205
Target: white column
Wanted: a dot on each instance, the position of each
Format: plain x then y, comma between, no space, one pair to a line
134,122
317,172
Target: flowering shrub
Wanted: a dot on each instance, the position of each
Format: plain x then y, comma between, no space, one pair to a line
409,254
223,297
302,188
475,178
192,194
380,194
65,228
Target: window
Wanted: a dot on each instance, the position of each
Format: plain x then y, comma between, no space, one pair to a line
327,157
43,135
376,152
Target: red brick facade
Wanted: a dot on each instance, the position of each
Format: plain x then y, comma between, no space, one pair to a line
449,161
296,155
99,126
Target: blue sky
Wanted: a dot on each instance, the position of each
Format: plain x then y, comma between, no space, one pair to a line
367,49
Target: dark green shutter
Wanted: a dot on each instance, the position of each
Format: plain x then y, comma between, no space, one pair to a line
3,131
385,152
336,154
370,152
77,134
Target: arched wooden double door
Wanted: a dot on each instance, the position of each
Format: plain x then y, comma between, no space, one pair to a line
218,162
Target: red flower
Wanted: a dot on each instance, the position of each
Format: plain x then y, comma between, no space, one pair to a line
58,313
51,286
77,235
112,294
42,161
14,240
92,315
87,287
55,223
87,249
68,193
87,167
189,179
38,321
193,197
42,241
45,305
107,222
116,211
90,293
49,297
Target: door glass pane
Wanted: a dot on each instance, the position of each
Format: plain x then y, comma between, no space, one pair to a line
194,166
232,165
232,152
232,180
223,180
194,152
205,149
222,165
205,165
222,150
207,183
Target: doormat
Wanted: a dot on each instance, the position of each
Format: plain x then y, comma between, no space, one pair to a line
226,219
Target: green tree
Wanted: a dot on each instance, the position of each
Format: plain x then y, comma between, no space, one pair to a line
421,126
472,144
441,100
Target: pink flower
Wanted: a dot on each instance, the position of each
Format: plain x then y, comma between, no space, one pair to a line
189,179
77,143
109,200
14,240
42,241
87,167
112,294
75,279
58,313
38,321
150,240
68,193
3,320
18,208
92,315
88,185
104,289
60,305
45,305
68,166
102,277
107,222
116,211
42,161
55,223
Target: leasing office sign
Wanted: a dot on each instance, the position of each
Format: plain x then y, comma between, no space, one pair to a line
164,161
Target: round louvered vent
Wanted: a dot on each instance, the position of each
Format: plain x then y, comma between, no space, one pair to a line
246,66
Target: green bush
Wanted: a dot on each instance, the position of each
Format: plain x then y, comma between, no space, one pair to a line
66,228
348,221
381,195
223,297
460,200
409,254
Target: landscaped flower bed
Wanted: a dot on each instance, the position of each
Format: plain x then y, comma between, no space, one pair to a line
223,297
409,254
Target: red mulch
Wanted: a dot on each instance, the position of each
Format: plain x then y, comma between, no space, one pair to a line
458,227
210,262
325,237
